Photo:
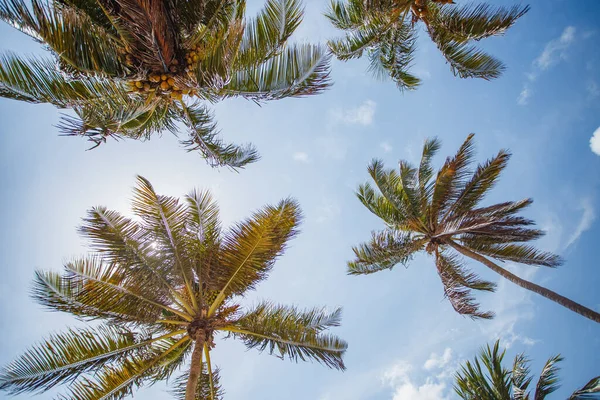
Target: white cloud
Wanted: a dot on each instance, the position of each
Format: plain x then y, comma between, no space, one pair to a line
361,115
386,147
595,141
524,96
587,218
405,388
555,49
436,362
301,156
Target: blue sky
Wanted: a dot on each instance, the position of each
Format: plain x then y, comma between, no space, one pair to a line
404,338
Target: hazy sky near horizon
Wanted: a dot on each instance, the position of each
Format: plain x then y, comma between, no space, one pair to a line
405,340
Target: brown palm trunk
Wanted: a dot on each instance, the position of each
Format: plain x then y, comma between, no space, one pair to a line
549,294
196,367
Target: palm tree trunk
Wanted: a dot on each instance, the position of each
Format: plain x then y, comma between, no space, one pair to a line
196,367
549,294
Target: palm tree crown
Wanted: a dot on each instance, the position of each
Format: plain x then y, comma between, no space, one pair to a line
443,216
495,382
163,286
385,29
132,68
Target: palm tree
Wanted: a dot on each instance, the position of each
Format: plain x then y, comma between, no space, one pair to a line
385,30
134,68
162,286
499,383
442,215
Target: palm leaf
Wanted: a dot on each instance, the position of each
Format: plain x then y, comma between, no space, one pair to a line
64,356
250,249
521,378
548,381
292,333
586,392
385,250
203,136
203,391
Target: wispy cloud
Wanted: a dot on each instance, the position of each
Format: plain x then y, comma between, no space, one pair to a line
361,115
595,141
436,361
301,156
386,147
587,219
554,51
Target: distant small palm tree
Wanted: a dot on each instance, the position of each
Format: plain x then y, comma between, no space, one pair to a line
495,382
442,214
163,286
385,30
134,68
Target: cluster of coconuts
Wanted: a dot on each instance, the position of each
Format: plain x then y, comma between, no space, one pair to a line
193,56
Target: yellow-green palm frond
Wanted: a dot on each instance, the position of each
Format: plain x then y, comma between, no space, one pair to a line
593,386
209,385
251,247
292,333
116,382
73,354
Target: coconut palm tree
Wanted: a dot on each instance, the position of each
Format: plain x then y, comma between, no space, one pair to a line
134,68
162,287
386,31
443,216
496,382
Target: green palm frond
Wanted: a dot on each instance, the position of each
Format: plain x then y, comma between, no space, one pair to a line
385,250
266,35
458,283
37,80
203,136
380,205
477,21
394,56
587,392
250,248
362,39
77,351
472,382
425,172
518,253
548,381
292,333
346,15
117,382
299,70
520,378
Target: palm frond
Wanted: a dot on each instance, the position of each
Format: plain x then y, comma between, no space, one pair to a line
425,172
393,56
361,39
299,70
250,248
346,15
164,217
203,391
473,383
92,289
467,61
65,356
114,383
38,80
587,392
477,21
203,136
385,250
458,284
520,378
380,206
517,253
292,333
548,381
266,35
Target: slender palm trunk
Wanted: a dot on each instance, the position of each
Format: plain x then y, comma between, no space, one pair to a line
195,368
549,294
